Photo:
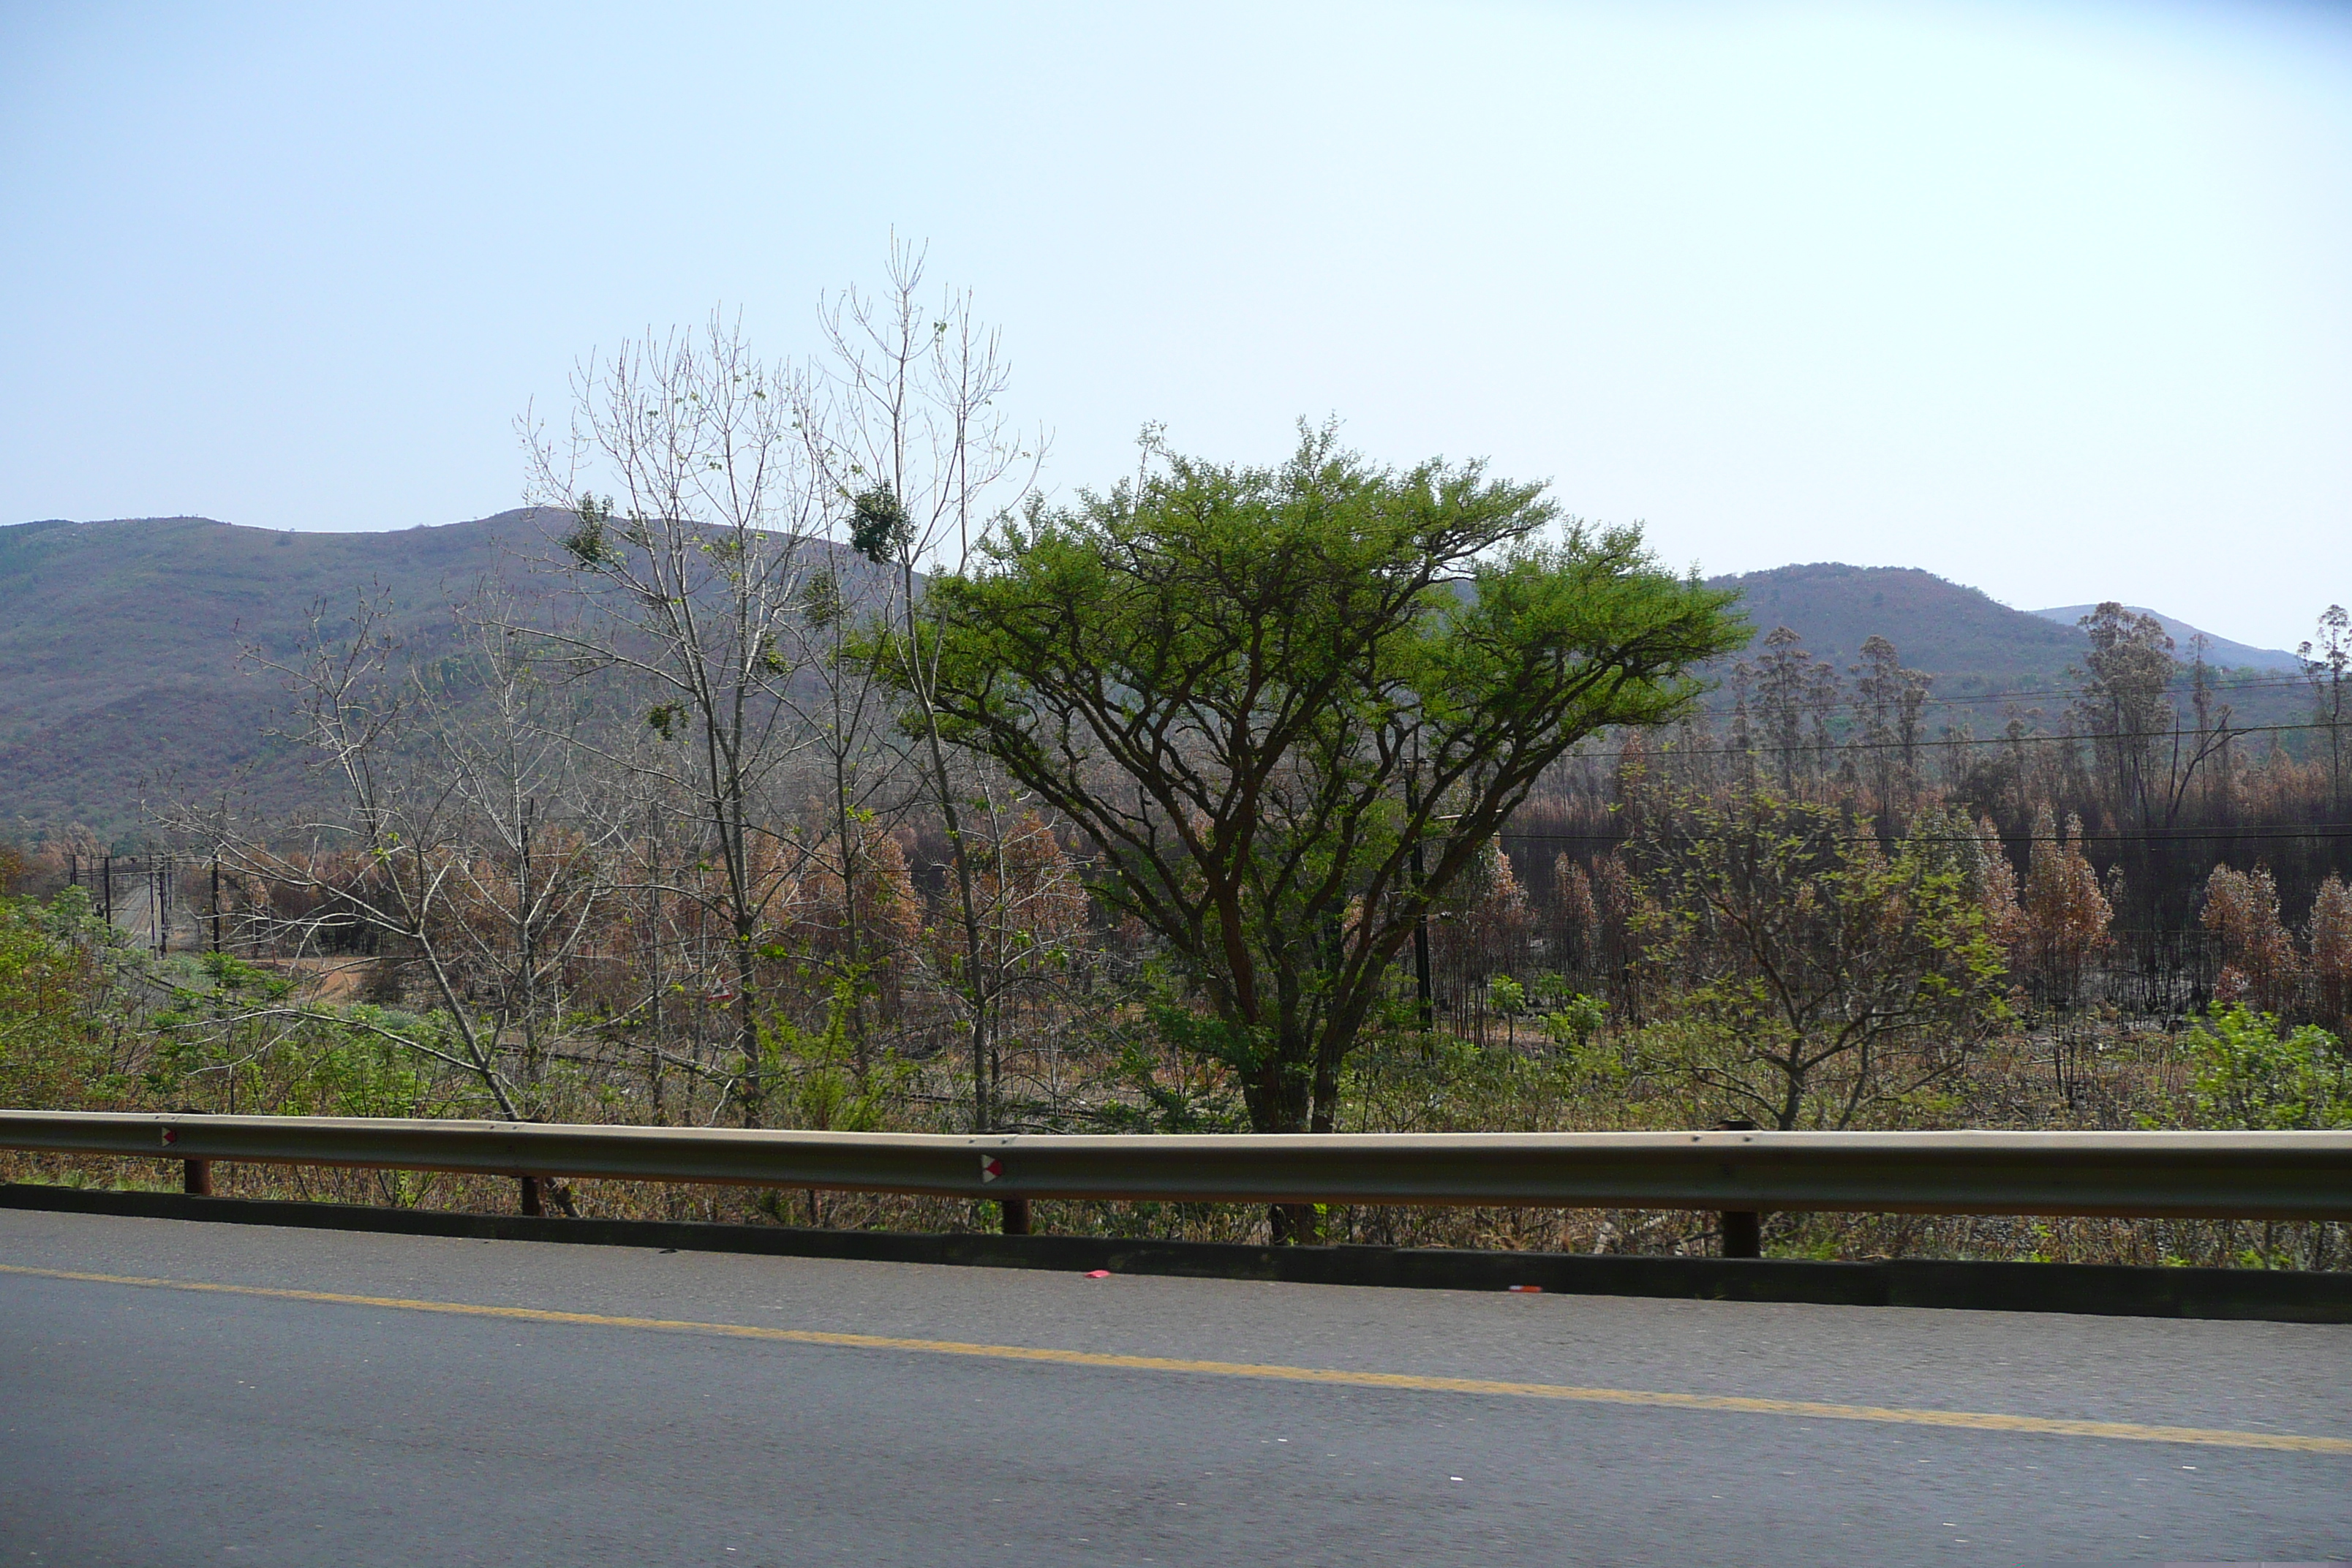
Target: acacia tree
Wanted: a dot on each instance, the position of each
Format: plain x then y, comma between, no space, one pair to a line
1228,678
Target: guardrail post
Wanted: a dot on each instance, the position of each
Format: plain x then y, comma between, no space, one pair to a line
1742,1230
196,1178
533,1201
1016,1216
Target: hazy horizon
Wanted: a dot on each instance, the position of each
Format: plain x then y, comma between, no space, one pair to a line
2046,300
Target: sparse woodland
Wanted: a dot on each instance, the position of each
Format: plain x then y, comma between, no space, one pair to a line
765,813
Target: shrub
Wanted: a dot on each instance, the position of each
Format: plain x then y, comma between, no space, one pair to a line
51,971
2252,1072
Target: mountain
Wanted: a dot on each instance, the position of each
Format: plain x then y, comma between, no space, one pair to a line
122,643
119,645
2219,651
1969,640
1985,655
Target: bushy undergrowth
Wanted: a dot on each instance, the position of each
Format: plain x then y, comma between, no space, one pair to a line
87,1024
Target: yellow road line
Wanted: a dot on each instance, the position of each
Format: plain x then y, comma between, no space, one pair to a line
1970,1420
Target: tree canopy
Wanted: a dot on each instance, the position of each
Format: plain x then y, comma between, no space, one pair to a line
1290,705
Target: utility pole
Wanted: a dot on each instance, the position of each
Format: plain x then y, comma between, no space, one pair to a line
1427,1009
1420,985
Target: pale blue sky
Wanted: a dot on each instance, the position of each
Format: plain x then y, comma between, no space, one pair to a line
2053,300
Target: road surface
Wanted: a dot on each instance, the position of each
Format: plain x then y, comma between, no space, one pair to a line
179,1393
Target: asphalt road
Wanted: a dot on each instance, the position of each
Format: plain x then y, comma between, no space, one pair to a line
507,1402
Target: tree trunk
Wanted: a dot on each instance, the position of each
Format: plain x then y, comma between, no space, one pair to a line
958,853
1284,1100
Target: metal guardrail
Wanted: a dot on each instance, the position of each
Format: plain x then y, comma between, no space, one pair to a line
2184,1175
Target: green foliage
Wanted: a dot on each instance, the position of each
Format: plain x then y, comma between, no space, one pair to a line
1801,970
823,605
828,1091
54,972
1240,1046
325,1069
1576,1019
1256,690
1158,1100
586,544
2251,1071
1507,995
1408,1081
879,528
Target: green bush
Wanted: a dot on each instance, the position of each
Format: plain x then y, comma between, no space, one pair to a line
2254,1072
1576,1020
53,969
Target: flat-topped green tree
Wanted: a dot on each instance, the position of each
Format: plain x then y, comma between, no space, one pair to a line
1256,690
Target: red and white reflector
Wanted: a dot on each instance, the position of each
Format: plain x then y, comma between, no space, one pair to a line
991,1167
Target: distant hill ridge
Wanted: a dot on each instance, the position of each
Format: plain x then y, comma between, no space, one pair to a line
2218,650
119,641
1967,639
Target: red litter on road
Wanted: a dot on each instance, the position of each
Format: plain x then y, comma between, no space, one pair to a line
1098,1273
1526,1290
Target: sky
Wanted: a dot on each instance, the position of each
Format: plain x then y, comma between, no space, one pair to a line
2051,300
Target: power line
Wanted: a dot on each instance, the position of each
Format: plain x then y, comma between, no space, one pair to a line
1669,748
2148,835
2249,683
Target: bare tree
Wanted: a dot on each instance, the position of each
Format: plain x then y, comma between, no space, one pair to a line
688,566
2326,663
911,436
499,726
843,714
442,777
1887,699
